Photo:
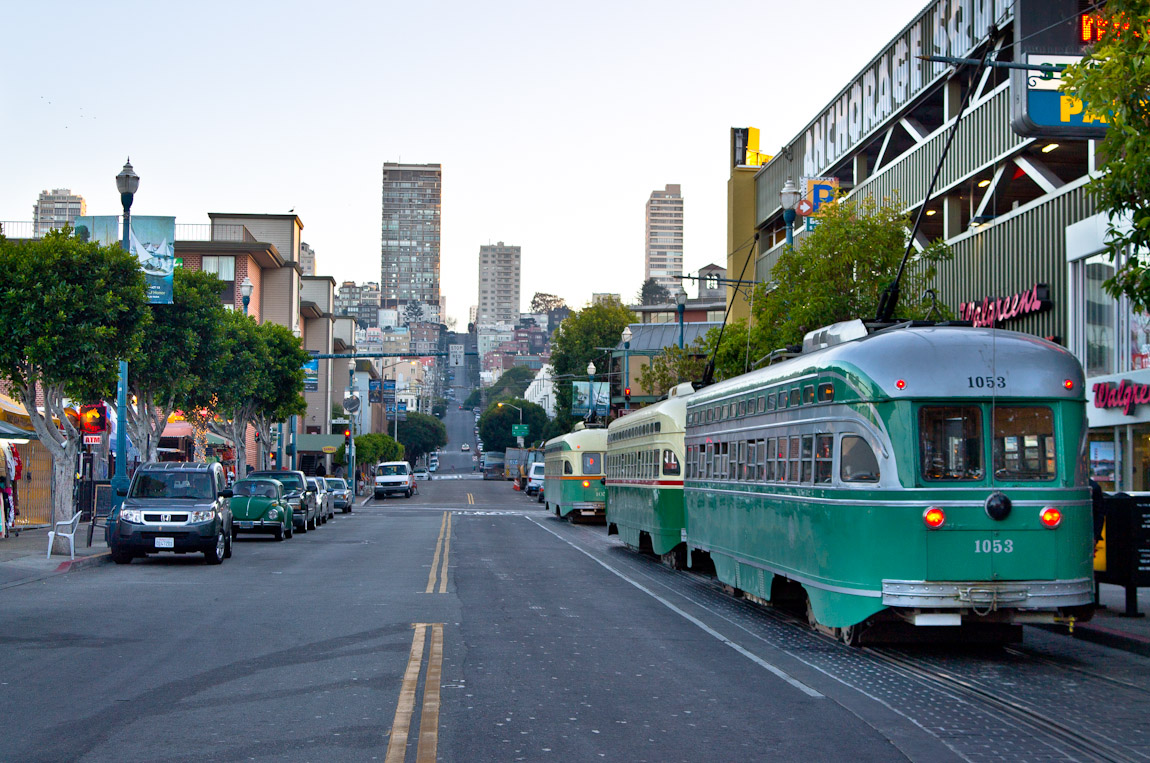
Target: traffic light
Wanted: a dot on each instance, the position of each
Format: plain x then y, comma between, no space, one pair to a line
257,437
93,419
347,438
627,394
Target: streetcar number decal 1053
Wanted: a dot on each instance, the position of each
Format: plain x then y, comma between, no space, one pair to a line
993,546
986,382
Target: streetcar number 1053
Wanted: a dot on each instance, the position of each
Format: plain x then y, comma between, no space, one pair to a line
993,546
986,382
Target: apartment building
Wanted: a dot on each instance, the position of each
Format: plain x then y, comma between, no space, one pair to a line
663,258
409,248
498,284
56,209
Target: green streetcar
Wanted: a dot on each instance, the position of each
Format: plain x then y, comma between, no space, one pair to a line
645,477
923,475
573,474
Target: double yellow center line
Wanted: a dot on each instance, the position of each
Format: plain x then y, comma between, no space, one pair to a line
442,548
471,499
405,708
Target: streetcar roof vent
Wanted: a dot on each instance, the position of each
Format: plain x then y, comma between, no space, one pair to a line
686,388
836,333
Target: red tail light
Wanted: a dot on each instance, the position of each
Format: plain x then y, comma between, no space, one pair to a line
1068,384
586,483
934,517
1051,517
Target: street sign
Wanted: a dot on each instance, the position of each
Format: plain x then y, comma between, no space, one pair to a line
804,207
519,430
455,355
351,404
818,191
329,449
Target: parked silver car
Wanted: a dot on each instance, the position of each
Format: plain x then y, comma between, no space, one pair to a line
324,500
340,493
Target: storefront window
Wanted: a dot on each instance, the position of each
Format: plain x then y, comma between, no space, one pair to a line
1103,464
1100,316
1024,444
1139,340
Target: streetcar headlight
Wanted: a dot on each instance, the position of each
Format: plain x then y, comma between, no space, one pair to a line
934,517
1051,517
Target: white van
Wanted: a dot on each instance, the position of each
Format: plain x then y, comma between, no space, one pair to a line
393,477
535,478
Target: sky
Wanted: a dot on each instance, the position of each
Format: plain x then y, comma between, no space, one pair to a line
553,121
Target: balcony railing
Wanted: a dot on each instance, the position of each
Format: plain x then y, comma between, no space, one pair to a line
26,229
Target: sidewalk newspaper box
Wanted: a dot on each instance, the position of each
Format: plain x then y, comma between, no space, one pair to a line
1124,553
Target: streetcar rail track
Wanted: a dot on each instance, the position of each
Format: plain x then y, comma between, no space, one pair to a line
1091,748
1075,669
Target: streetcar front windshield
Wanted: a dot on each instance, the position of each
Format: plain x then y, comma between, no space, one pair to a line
591,463
1024,445
950,442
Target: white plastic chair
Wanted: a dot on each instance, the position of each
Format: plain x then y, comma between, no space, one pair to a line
70,534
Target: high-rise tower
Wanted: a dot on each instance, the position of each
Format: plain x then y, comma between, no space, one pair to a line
57,208
498,284
409,256
664,241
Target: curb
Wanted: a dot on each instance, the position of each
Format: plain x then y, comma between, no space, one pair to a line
1103,636
84,561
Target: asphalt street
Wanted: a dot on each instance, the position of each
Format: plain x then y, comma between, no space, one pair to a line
466,624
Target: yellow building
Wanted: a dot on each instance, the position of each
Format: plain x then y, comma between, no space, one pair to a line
745,162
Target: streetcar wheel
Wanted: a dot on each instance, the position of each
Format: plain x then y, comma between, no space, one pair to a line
850,634
811,619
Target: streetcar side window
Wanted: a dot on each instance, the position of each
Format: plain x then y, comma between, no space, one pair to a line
793,460
857,462
808,452
808,394
1024,445
782,399
950,442
824,446
567,467
670,464
826,392
769,463
771,402
796,397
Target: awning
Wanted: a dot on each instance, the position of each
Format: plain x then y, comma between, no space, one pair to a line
184,429
13,432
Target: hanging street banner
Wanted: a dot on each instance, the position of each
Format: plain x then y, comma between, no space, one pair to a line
581,398
375,390
151,241
311,372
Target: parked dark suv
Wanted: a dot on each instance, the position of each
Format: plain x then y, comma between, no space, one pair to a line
177,507
304,504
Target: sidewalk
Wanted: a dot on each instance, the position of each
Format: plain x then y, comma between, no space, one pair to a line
1110,628
23,558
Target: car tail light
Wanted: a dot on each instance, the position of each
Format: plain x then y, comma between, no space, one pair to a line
1051,517
934,517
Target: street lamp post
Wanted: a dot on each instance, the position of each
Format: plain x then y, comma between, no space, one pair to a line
789,199
246,292
126,183
681,302
351,426
626,367
516,407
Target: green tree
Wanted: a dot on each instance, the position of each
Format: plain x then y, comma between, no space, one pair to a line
421,434
1112,80
496,422
653,293
179,341
575,344
543,302
281,390
835,274
673,366
474,399
69,312
371,449
513,383
228,398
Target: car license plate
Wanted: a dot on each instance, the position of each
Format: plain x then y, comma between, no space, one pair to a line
165,542
245,525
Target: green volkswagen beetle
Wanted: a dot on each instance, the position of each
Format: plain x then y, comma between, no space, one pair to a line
258,506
